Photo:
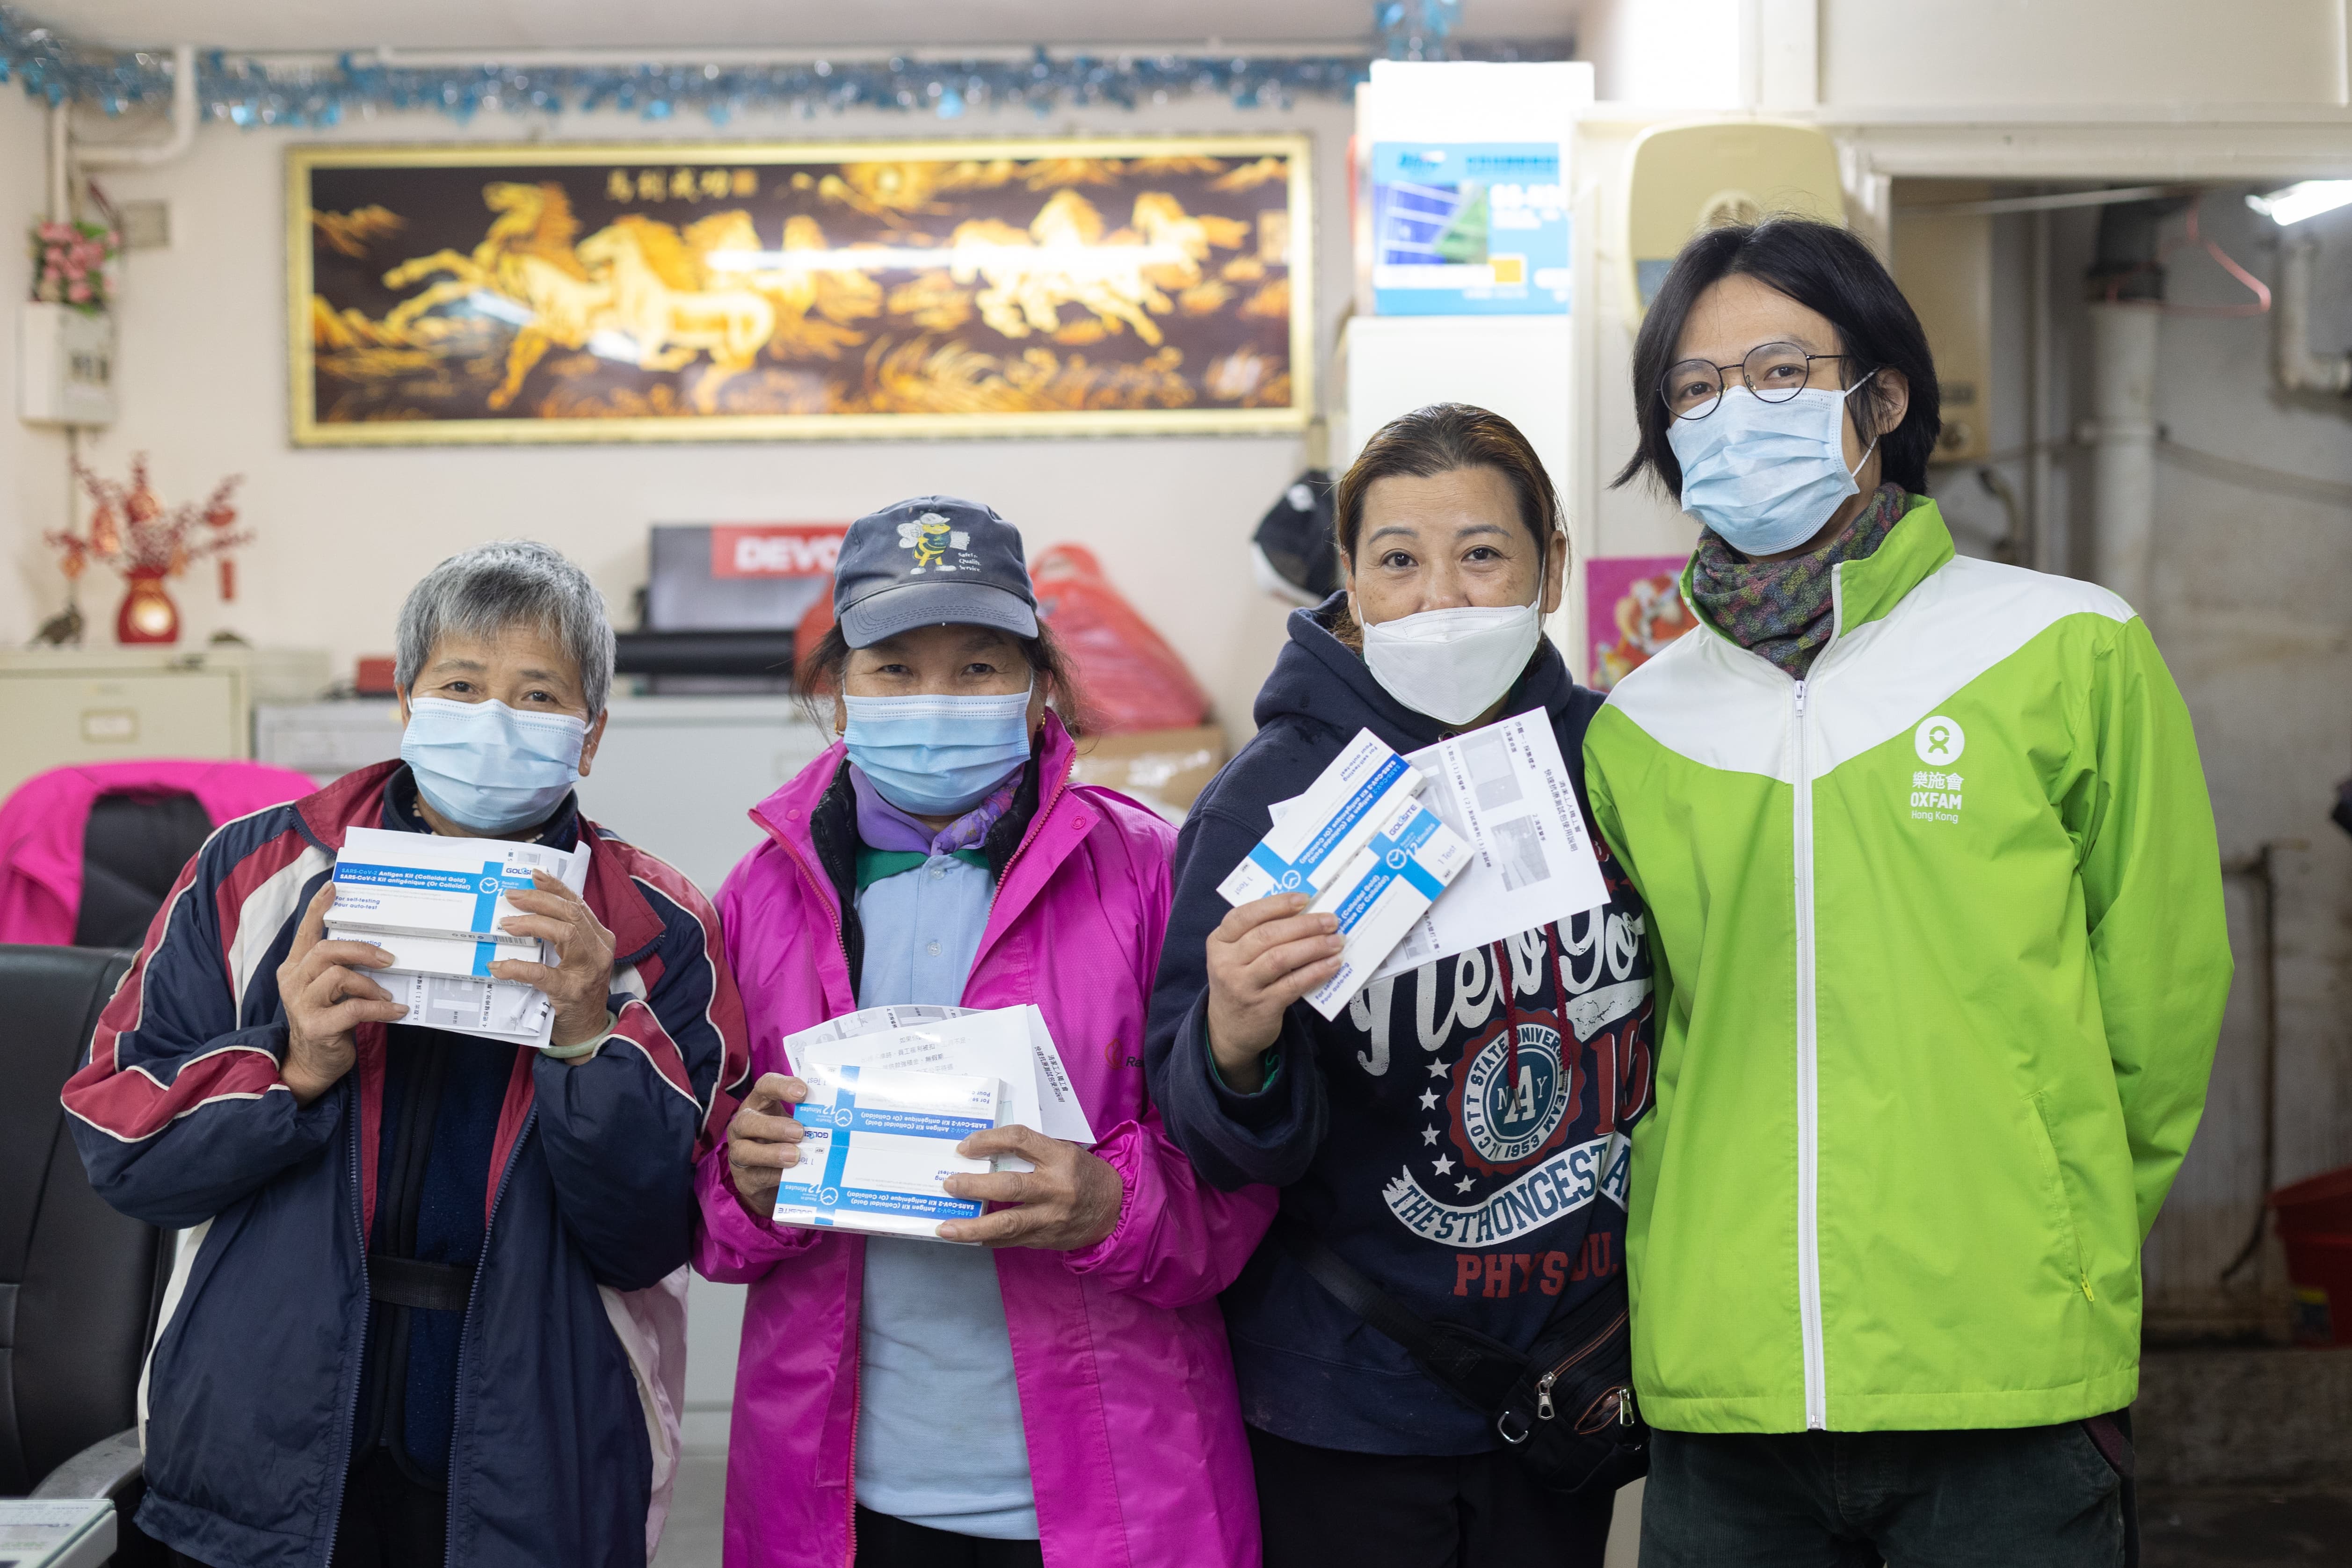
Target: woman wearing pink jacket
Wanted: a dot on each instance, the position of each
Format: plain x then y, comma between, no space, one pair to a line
1062,1392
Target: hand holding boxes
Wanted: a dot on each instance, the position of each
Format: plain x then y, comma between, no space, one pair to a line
877,1051
1497,847
1367,850
435,904
880,1145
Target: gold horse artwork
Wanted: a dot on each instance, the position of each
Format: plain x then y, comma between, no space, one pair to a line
636,278
817,308
526,256
1065,257
602,292
658,301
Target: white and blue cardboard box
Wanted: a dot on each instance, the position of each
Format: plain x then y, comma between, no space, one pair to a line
1469,229
1401,870
878,1145
1323,830
434,903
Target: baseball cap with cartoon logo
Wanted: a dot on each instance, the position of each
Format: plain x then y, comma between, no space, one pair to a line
929,560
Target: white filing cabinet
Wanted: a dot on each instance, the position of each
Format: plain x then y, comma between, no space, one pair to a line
62,706
674,774
327,740
677,775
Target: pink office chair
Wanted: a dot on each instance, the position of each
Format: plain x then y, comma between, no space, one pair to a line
88,853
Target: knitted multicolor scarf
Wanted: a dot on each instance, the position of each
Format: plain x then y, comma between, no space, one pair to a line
1781,609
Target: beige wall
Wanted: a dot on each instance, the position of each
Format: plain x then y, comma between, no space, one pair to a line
32,462
2068,58
343,532
2068,54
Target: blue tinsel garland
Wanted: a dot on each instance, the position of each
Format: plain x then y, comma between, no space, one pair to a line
56,69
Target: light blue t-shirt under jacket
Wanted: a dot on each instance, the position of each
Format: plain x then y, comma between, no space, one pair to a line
939,1423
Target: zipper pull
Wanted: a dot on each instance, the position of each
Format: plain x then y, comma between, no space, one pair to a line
1800,699
1543,1394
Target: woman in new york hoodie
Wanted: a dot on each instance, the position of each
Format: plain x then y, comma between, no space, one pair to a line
1407,1133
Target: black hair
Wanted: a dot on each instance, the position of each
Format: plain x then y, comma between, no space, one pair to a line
823,667
1824,269
1443,438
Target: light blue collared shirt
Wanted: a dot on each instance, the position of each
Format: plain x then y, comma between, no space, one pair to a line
940,1441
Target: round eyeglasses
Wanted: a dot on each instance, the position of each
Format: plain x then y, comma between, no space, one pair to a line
1775,372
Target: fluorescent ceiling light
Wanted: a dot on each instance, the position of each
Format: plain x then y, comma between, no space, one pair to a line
2308,199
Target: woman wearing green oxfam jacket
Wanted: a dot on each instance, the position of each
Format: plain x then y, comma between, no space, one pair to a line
1937,909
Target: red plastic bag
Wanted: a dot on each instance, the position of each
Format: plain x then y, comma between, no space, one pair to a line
1132,679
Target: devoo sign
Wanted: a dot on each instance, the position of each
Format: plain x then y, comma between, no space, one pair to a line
663,291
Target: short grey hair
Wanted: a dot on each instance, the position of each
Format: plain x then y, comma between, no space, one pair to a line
483,590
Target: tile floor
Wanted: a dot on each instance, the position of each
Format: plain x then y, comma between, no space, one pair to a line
2222,1529
2209,1529
693,1536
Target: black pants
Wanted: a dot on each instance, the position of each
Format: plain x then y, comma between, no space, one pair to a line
1322,1506
884,1542
2032,1497
388,1520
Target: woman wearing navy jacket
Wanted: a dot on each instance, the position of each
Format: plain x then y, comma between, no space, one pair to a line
1402,1124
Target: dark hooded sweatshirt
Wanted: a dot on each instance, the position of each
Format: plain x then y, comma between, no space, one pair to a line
1471,1187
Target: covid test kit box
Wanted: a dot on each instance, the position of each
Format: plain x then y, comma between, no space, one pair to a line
1403,866
1323,830
878,1146
435,903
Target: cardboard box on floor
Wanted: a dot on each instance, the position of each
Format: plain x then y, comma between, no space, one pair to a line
1165,769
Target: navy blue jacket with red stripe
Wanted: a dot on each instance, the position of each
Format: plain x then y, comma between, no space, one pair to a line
563,1422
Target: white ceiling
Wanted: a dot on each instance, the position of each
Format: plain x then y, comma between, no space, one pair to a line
269,25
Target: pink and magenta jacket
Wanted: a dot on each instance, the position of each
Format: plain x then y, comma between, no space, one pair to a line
1135,1435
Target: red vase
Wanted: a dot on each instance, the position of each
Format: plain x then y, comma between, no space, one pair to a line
148,614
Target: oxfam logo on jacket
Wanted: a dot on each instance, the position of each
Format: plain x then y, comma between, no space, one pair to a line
1507,1117
1939,740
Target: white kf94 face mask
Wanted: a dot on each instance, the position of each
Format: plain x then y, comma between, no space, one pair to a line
1453,664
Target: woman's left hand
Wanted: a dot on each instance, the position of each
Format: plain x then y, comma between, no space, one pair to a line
1067,1203
580,982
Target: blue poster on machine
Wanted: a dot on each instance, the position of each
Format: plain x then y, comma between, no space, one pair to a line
1469,229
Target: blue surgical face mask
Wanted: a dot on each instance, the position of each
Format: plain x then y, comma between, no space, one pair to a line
483,765
1766,476
938,756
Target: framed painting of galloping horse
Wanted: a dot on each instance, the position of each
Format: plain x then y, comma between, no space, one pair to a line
726,292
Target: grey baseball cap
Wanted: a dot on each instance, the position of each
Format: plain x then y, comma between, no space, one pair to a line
929,560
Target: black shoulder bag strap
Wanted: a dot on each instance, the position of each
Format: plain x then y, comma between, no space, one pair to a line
1565,1408
1477,1375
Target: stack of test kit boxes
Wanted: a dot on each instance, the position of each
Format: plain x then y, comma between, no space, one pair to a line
893,1091
1366,849
878,1145
436,905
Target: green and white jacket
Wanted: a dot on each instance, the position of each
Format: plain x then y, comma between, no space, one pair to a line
1940,965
